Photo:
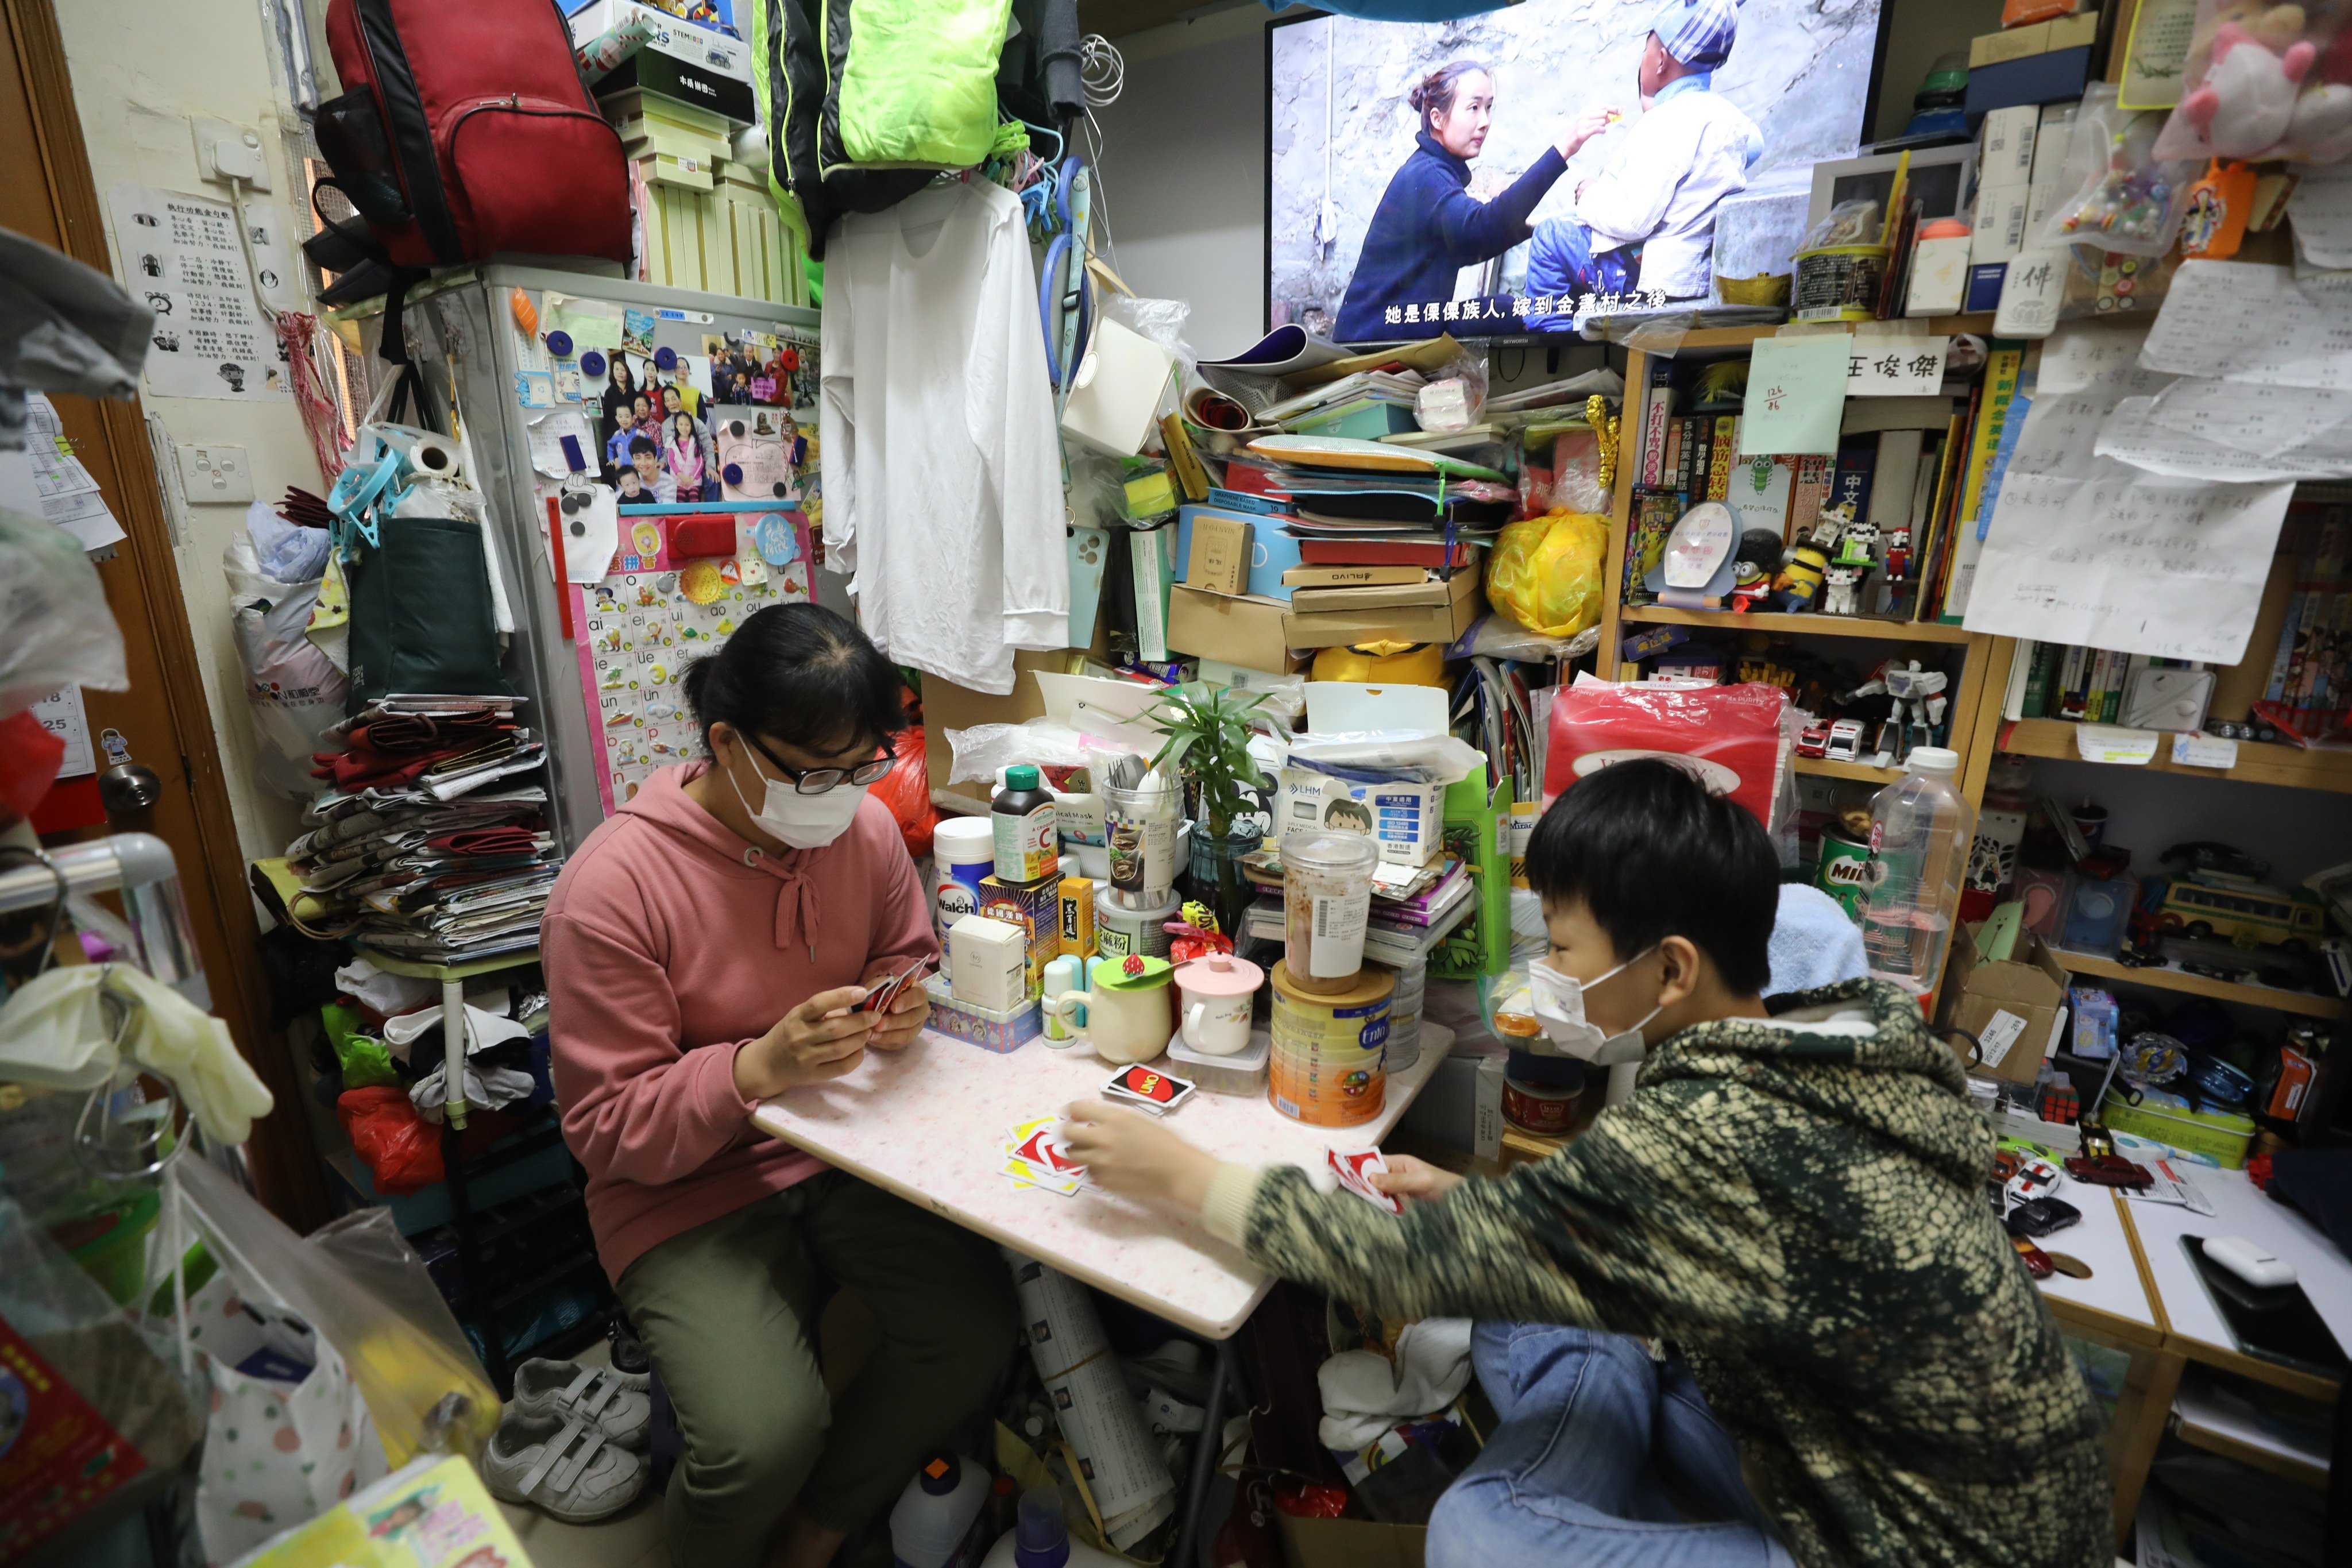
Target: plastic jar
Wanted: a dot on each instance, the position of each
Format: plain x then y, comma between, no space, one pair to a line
1327,901
1140,827
963,851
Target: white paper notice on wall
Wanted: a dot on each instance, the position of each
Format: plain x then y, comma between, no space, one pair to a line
1894,366
181,255
2130,561
2199,429
2244,321
1999,1033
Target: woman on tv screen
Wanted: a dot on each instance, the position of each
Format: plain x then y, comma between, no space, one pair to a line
1428,226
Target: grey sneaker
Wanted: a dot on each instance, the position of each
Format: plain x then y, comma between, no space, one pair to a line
618,1403
570,1471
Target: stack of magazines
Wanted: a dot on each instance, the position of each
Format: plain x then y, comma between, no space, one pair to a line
430,840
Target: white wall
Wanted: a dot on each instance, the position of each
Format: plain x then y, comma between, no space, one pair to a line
139,68
1183,168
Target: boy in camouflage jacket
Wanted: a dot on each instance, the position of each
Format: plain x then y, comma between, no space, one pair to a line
1793,1198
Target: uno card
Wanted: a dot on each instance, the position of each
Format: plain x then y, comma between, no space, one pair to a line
1152,1090
1045,1149
1355,1172
887,989
1022,1174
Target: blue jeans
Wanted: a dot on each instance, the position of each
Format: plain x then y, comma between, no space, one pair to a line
1561,265
1593,1431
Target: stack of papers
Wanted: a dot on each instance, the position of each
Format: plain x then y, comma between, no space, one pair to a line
67,494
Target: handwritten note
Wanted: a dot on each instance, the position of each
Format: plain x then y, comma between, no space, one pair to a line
2132,562
1895,367
2320,212
2158,53
1796,396
2114,743
2201,429
2246,323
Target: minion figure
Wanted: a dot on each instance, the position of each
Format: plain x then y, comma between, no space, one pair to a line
1800,579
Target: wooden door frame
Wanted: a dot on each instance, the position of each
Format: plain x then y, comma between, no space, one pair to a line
283,1160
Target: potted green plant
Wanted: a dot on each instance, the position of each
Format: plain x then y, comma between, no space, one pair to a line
1208,728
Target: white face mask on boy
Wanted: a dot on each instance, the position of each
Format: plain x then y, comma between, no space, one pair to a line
802,821
1559,1008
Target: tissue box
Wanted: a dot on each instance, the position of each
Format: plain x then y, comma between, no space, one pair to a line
988,962
991,1028
1402,819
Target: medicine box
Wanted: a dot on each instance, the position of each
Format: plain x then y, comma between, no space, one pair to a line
988,962
2008,155
1217,556
1403,819
991,1028
1035,909
1078,917
1270,552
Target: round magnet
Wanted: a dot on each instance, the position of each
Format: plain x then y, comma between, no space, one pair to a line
559,343
700,581
776,540
647,538
591,362
735,428
664,358
732,473
780,489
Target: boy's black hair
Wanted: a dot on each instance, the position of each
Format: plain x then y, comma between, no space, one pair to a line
642,444
1653,853
801,675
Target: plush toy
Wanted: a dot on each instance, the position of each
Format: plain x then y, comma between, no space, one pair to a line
2244,104
2320,129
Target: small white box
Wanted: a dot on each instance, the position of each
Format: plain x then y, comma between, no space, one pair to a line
2000,229
1940,277
1405,820
2006,157
2030,293
1115,397
2050,150
988,962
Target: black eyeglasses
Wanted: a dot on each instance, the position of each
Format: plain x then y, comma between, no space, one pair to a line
816,781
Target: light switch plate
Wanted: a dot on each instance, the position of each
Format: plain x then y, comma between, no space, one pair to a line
213,474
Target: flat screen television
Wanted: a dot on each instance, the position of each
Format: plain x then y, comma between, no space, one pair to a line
1449,176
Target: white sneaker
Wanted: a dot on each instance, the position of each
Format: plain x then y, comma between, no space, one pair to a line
570,1471
618,1403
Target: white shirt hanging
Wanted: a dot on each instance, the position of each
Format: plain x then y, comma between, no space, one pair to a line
942,468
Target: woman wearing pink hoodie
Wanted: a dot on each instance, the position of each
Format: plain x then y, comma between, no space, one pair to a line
701,949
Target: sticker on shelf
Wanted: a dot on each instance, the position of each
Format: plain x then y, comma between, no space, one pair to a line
2114,743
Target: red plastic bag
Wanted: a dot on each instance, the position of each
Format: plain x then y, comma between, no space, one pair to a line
1728,736
905,789
398,1145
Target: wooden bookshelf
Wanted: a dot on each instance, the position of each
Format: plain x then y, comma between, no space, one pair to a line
1811,623
2167,978
2258,763
1823,767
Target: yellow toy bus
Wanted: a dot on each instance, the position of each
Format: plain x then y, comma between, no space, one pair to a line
2244,914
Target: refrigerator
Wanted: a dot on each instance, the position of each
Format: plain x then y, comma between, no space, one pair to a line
597,647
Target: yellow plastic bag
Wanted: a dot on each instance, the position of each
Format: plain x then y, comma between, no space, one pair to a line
1545,573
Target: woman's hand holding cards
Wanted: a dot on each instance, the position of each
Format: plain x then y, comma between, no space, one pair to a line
902,1017
820,1039
1127,1152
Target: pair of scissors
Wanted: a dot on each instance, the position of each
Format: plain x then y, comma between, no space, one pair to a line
1063,295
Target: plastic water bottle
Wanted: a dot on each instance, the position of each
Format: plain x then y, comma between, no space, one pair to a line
1042,1539
1920,829
933,1516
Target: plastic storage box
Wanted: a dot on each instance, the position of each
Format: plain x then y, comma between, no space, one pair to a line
2223,1135
991,1029
1244,1072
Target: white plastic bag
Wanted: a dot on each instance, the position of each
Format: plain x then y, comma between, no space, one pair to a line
2121,196
58,630
294,693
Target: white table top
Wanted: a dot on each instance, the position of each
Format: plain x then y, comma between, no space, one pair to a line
2099,1239
2239,1208
929,1123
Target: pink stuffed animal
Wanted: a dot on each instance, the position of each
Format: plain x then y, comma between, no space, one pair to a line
2242,107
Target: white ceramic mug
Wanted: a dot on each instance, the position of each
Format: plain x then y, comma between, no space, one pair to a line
1216,1026
1123,1026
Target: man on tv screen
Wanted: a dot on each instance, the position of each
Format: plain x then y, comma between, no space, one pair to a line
1646,223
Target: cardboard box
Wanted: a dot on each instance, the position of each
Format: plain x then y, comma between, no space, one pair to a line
2007,148
2021,1002
947,706
987,960
1418,623
1077,912
1272,552
1247,631
2038,79
1350,1542
1985,282
2008,44
2000,231
1035,909
1217,554
1403,819
1378,595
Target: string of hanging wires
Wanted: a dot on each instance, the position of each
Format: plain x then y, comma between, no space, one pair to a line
1014,164
1102,73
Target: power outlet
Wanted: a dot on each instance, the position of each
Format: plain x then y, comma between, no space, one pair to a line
226,152
210,474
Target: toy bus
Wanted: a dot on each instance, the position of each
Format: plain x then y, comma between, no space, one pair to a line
2244,914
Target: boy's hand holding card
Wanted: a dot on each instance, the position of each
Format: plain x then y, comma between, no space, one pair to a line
1355,1172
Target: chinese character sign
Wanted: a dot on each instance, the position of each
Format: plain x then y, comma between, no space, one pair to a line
1895,367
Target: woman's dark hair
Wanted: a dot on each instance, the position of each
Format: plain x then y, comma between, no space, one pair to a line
801,675
1654,853
1433,94
621,374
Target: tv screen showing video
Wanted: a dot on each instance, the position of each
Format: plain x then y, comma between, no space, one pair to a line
1492,175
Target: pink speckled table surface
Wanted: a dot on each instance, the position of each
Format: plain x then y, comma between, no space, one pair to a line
929,1123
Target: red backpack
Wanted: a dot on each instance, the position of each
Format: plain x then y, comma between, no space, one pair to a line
465,130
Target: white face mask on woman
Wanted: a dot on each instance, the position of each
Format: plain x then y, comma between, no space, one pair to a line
802,821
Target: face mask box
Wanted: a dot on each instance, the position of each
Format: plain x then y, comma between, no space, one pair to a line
1403,819
1034,910
988,962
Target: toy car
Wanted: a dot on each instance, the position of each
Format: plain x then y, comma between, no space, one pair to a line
2034,1179
2217,860
2041,1216
1845,741
1813,740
